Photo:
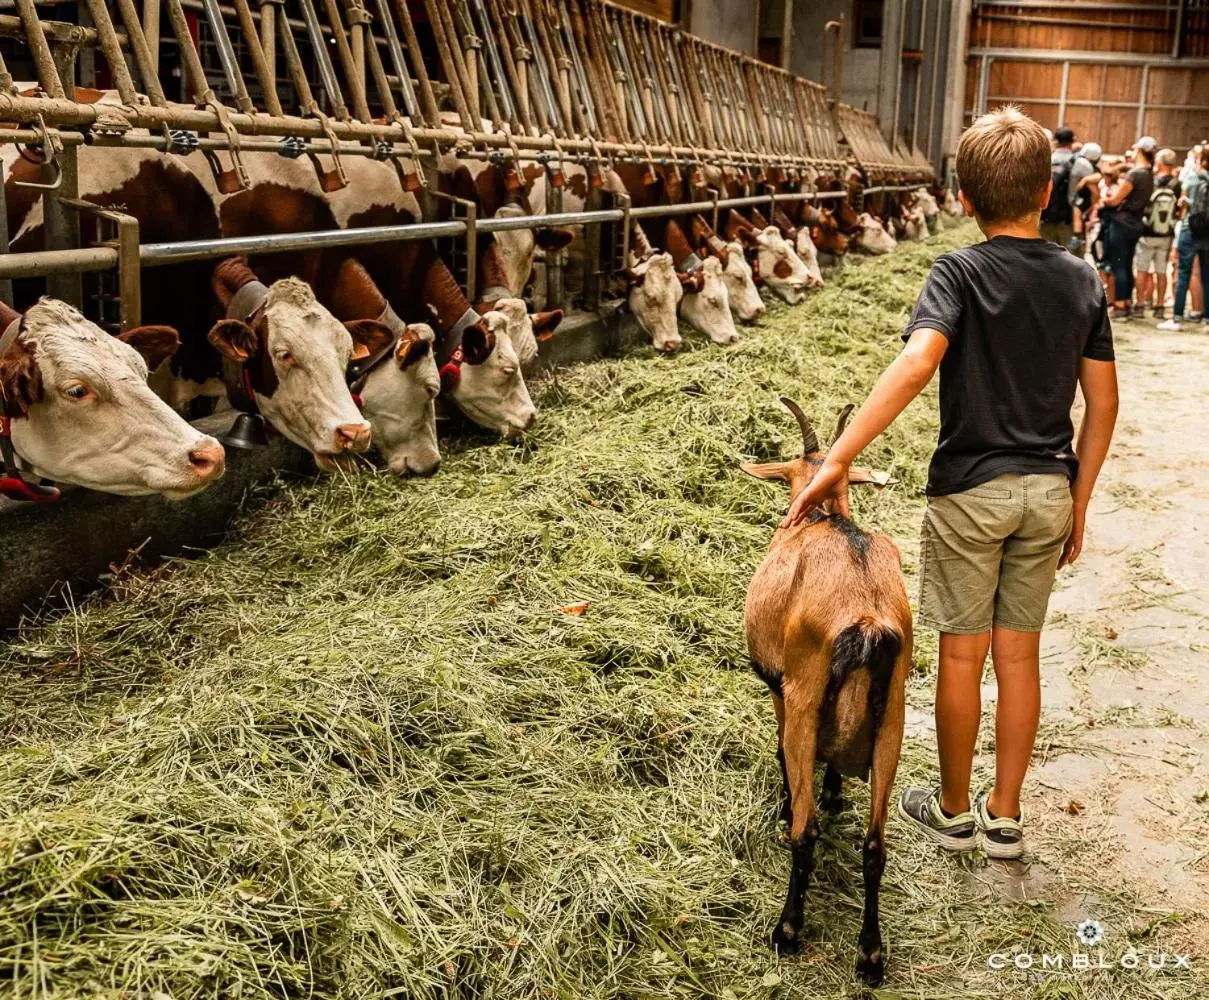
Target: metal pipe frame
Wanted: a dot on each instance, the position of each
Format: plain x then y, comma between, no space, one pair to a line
41,263
1088,58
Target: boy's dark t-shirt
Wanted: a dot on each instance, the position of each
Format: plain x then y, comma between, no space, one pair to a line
1018,314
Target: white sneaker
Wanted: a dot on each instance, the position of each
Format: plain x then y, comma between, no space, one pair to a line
1169,324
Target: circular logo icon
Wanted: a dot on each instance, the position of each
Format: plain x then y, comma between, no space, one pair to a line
1089,933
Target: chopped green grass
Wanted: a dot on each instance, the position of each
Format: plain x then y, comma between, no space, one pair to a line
361,750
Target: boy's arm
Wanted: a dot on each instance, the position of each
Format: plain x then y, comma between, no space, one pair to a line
1098,380
899,384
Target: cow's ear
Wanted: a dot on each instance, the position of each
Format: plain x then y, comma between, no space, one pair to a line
554,239
155,343
410,350
20,379
370,337
233,339
545,323
477,343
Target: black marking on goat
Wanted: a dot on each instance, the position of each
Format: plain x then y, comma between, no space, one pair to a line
773,680
863,645
857,539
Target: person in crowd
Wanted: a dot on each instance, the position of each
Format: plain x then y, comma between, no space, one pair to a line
1128,202
1158,231
1192,244
1057,218
1009,483
1111,170
1084,194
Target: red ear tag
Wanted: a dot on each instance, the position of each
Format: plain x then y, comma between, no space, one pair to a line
451,374
19,489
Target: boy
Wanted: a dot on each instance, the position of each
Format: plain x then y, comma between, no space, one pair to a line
1012,323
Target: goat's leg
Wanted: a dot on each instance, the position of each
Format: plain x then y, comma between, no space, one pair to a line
832,799
870,961
799,748
778,706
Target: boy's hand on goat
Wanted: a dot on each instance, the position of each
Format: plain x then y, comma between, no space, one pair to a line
829,483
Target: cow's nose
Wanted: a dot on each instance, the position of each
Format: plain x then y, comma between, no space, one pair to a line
352,437
208,461
532,419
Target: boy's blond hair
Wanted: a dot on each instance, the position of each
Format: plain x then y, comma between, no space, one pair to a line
1003,165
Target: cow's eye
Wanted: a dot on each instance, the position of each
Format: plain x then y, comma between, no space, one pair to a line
508,372
77,390
284,358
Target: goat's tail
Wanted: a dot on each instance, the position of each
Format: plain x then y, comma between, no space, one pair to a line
867,642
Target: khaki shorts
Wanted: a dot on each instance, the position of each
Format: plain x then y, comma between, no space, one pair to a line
989,555
1152,254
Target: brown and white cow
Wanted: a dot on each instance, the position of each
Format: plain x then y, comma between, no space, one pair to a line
872,237
745,301
706,301
78,409
781,269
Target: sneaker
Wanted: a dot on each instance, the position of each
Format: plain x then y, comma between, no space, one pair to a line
1159,312
1002,836
1170,324
921,807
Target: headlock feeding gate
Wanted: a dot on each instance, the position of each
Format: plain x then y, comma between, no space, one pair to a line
552,81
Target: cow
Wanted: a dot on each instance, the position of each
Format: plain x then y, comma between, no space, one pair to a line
78,410
951,211
926,201
745,301
655,291
872,237
706,301
781,269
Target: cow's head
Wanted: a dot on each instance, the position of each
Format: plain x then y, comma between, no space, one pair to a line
655,294
398,396
83,413
745,301
706,303
950,205
915,223
826,235
927,204
871,236
490,388
781,268
805,248
519,247
519,328
296,353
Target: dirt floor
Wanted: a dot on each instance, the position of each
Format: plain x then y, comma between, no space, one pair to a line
1124,658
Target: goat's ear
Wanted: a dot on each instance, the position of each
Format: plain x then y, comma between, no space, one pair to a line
858,475
769,470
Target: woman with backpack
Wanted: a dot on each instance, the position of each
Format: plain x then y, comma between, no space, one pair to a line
1128,203
1192,243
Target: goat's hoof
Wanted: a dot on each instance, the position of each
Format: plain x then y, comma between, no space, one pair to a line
786,939
832,804
871,969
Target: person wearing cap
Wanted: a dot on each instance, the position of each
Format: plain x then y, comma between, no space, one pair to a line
1084,191
1057,218
1158,222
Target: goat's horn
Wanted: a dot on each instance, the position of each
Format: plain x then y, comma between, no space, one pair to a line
842,422
810,440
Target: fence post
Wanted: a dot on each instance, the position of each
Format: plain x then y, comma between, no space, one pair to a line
555,286
63,226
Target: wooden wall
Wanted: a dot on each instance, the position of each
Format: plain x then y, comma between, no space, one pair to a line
663,9
1102,98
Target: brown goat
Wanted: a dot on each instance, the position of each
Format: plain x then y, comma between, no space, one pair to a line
829,632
